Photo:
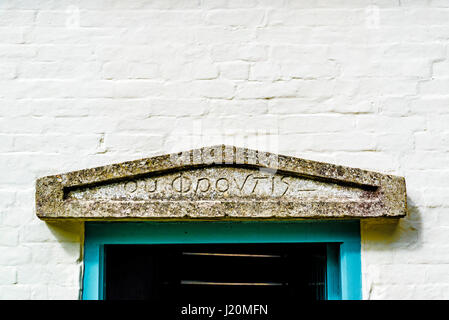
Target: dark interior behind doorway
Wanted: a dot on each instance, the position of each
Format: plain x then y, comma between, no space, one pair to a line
213,272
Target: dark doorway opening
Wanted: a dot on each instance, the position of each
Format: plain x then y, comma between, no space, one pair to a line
213,272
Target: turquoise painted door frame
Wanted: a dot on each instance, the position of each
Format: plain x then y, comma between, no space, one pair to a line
344,275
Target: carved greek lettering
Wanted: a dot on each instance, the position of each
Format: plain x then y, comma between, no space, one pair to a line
198,185
153,188
224,185
257,181
131,186
244,181
287,185
181,185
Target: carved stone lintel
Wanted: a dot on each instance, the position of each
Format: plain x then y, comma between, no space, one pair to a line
220,182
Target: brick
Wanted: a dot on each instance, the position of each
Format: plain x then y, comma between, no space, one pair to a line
234,70
317,17
56,70
260,90
9,236
251,17
56,292
132,143
15,292
241,107
14,256
429,105
434,87
298,70
49,253
127,70
17,18
265,71
214,89
391,124
304,124
8,71
327,142
61,274
8,275
41,232
65,53
429,141
394,142
232,52
140,19
177,107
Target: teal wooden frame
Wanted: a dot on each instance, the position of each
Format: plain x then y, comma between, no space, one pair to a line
344,275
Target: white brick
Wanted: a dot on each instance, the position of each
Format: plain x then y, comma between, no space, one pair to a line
42,232
8,275
434,178
238,107
391,124
126,70
265,71
234,70
250,52
203,70
329,142
317,17
430,105
310,70
39,292
14,256
260,90
8,236
439,123
8,71
434,87
63,293
61,274
428,141
394,142
214,89
132,143
177,107
15,292
17,51
6,143
65,52
422,160
50,253
251,17
17,18
300,124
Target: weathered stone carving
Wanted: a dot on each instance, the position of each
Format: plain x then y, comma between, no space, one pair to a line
220,182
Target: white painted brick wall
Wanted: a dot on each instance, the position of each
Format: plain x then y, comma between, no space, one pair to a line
362,83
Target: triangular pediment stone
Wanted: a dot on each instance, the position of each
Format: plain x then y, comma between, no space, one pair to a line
220,183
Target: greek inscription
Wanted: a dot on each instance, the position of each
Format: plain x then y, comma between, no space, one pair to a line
287,185
257,181
153,188
181,187
206,185
244,181
222,187
267,185
131,186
